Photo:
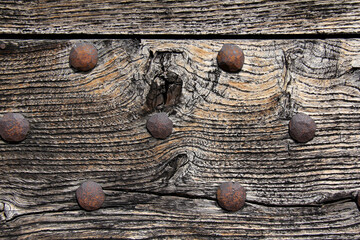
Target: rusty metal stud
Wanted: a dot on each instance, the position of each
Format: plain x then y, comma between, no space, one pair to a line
231,196
83,56
159,125
302,128
90,195
14,127
230,58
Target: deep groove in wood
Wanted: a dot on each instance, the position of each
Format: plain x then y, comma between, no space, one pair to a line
264,36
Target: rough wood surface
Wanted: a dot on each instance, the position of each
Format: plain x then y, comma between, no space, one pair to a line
257,17
227,127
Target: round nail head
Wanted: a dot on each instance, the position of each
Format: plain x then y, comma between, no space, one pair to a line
231,196
159,125
90,195
230,58
14,127
302,128
83,57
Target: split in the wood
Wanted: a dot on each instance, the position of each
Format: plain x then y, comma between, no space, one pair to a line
165,92
165,82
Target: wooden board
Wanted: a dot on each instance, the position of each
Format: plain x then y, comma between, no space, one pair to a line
227,127
185,17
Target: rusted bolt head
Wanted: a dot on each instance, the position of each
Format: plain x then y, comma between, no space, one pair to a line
302,128
90,195
83,56
230,58
159,125
231,196
14,127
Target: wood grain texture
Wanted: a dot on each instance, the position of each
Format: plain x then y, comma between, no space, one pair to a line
227,17
227,127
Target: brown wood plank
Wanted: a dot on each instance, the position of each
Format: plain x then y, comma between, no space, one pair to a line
180,17
125,216
227,127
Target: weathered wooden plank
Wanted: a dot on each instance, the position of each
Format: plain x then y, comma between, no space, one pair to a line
227,127
145,216
180,17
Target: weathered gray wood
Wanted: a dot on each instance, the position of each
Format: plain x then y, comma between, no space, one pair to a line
141,216
180,17
228,127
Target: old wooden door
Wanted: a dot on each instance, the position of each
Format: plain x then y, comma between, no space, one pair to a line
160,56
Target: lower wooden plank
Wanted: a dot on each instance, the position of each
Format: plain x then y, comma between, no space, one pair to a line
129,215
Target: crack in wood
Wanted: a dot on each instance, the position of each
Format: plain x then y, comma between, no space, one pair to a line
166,84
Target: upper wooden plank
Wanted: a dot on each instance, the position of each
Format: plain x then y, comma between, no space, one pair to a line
185,17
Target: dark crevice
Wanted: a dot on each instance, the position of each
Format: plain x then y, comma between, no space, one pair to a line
313,205
282,205
172,167
169,194
179,36
166,85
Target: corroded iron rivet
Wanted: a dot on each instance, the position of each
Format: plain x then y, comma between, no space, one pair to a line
90,195
14,127
83,56
2,46
231,196
302,128
159,125
230,58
